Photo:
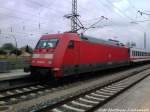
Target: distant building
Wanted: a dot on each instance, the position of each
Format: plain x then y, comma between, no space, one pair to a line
131,44
25,54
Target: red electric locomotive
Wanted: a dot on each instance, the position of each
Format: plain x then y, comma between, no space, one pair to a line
65,54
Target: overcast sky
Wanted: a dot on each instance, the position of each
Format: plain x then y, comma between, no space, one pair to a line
27,20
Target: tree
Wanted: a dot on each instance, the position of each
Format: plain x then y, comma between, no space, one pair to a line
2,52
28,49
8,47
16,51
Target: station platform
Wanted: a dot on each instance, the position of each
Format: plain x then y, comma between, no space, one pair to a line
13,74
135,99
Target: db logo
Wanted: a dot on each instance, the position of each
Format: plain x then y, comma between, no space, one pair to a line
109,56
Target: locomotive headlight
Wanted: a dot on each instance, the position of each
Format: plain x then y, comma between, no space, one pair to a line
33,61
49,56
49,62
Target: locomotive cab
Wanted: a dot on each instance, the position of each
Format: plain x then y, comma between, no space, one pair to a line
44,52
42,57
52,52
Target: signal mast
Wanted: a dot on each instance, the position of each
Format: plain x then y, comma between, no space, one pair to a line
76,24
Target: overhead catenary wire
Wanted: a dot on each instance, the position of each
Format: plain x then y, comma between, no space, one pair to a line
34,18
135,8
124,14
93,25
34,25
108,7
37,22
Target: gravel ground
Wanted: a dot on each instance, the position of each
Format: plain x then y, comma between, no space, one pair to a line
51,97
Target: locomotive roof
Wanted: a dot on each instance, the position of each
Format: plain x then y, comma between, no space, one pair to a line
102,41
90,39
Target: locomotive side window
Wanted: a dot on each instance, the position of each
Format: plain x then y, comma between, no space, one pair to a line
71,44
48,43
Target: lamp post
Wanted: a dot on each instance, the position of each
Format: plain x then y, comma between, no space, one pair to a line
15,44
137,22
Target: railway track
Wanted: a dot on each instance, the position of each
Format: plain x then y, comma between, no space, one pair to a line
90,100
18,94
32,91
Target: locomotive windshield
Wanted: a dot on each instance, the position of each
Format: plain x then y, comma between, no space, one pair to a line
48,43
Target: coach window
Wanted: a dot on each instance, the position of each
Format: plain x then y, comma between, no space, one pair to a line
133,53
71,44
